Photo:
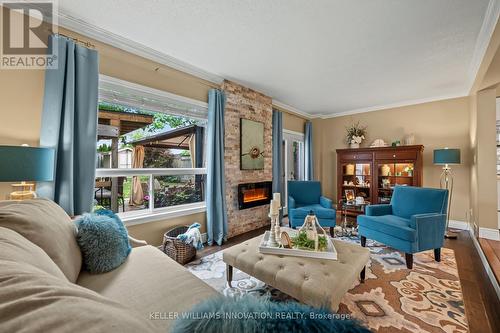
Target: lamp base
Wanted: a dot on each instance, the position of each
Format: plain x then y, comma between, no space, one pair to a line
22,195
451,235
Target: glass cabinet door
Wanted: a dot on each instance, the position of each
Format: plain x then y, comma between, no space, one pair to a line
356,181
391,174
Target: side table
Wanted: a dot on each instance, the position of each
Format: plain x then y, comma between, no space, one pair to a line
344,206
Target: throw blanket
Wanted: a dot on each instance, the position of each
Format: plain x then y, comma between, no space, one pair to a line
192,236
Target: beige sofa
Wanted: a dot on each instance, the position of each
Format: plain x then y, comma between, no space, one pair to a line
43,289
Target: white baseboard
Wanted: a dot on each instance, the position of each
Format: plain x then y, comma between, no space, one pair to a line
462,225
489,233
486,265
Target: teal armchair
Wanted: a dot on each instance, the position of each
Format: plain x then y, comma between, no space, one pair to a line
414,221
304,196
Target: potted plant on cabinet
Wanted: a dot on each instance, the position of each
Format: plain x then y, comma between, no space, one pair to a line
355,135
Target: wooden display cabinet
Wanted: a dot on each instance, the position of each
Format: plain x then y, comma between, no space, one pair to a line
372,173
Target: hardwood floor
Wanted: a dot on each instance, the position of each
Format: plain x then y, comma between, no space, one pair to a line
481,302
482,305
491,250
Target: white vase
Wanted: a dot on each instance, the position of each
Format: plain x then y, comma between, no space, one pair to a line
354,145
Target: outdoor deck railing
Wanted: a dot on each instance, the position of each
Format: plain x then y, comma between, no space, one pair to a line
151,173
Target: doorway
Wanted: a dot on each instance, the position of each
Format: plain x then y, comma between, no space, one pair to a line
293,155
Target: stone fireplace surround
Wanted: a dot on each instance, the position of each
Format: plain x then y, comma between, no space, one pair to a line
242,102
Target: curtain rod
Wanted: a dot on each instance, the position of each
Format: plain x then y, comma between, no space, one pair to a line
80,41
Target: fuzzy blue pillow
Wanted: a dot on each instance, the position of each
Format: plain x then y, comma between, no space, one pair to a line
250,314
103,240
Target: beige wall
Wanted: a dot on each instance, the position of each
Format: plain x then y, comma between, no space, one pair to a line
483,93
292,121
483,163
152,232
21,98
435,125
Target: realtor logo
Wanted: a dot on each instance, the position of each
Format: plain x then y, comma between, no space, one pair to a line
26,27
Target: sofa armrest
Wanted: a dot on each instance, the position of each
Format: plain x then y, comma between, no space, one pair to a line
325,202
291,202
378,210
136,242
430,230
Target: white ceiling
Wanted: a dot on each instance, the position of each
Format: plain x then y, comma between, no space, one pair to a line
322,57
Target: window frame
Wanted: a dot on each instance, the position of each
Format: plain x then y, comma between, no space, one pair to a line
116,91
152,214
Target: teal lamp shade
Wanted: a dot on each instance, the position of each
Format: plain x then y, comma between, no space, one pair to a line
19,163
447,156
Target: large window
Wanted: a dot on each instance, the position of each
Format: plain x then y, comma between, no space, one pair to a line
150,155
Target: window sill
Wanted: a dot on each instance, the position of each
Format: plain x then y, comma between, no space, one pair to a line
135,218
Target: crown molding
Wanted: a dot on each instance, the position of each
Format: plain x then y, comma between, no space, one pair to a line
391,106
292,109
72,23
483,40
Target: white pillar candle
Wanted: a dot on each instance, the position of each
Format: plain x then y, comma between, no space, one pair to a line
277,197
274,207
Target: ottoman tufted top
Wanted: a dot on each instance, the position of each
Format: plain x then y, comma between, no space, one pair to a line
316,282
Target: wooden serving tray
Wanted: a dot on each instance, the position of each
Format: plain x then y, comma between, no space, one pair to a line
329,254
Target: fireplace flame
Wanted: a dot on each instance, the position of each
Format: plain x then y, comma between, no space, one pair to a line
254,195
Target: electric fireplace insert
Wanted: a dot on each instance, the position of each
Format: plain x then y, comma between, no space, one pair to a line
254,194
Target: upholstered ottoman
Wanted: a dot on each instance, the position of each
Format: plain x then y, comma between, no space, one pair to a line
317,282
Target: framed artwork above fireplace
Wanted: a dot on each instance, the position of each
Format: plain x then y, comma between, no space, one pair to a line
251,145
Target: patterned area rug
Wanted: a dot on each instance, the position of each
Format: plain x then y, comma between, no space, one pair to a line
427,298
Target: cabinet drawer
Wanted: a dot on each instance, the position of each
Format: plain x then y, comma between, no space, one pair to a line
356,156
396,155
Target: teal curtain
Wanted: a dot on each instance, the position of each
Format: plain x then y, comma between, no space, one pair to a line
216,194
277,155
308,151
69,125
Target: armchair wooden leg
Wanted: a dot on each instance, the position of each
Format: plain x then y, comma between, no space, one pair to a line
363,241
332,232
409,260
437,254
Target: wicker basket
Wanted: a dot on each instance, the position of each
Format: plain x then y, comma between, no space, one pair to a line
177,249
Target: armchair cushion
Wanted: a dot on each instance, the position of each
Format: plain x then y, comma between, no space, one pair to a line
377,210
325,202
392,225
305,192
320,211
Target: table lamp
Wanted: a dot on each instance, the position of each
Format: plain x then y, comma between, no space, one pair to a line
23,163
446,157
